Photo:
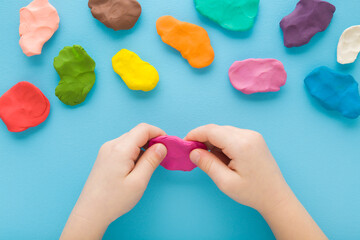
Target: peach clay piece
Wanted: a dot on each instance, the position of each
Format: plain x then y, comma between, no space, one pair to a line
38,23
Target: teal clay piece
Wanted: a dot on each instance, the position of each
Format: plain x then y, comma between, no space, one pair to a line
76,70
234,15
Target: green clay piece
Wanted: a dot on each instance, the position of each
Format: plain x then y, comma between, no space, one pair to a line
77,77
234,15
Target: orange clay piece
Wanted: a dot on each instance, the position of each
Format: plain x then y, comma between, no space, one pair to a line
192,41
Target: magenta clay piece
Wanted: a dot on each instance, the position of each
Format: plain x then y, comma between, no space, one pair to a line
178,152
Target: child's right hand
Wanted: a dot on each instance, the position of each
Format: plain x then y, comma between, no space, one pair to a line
241,165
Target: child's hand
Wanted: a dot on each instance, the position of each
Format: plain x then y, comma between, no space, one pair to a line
241,165
116,183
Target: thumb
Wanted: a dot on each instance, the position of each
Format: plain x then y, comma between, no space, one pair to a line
149,161
211,165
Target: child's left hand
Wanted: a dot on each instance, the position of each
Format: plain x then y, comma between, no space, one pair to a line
116,183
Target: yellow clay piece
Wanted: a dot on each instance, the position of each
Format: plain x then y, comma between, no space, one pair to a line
137,74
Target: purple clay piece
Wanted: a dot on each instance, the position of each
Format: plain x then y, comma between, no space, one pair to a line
308,18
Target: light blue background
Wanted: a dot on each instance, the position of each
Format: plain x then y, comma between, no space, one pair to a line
42,170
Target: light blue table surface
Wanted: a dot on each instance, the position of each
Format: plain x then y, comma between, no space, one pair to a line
43,170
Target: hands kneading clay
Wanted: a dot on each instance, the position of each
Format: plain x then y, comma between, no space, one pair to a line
308,18
190,40
178,152
116,14
76,70
257,75
335,91
23,106
38,22
137,74
232,15
349,45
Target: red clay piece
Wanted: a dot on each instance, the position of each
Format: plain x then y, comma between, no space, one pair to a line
23,106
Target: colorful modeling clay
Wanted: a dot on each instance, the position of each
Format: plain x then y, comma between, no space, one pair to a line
257,75
137,74
190,40
76,70
335,91
38,22
349,45
178,152
308,18
234,15
23,106
116,14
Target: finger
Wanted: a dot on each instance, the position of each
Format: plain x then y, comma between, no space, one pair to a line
211,165
220,137
207,134
220,155
140,155
208,145
148,162
142,133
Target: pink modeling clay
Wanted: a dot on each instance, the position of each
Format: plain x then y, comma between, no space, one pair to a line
178,154
38,22
257,75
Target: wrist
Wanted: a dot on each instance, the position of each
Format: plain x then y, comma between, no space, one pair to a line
91,213
84,225
278,200
79,227
290,220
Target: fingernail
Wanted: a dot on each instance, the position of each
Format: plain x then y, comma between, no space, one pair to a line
161,150
195,156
